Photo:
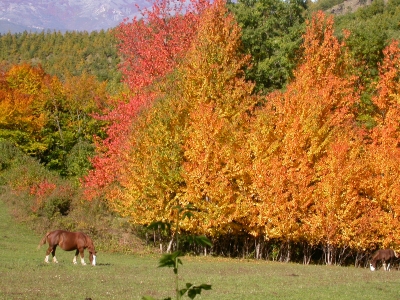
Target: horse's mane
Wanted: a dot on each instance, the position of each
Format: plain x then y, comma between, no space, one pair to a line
89,242
374,256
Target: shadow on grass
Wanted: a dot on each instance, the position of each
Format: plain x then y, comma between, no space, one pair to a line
104,264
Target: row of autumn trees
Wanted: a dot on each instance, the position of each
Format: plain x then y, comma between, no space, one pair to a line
294,168
286,172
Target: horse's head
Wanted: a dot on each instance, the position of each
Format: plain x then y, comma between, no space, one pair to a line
92,251
92,257
396,254
372,267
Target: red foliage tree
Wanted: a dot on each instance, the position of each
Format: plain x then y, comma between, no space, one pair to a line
151,47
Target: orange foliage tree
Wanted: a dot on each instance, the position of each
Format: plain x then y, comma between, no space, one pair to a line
339,218
22,105
385,151
293,134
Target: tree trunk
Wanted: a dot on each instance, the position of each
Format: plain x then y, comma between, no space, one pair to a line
257,245
170,243
329,254
307,253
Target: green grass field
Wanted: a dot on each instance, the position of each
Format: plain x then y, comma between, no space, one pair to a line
24,275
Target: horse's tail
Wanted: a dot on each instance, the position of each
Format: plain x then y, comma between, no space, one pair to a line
393,253
43,240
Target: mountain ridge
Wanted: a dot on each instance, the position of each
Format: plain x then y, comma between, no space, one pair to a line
66,15
349,6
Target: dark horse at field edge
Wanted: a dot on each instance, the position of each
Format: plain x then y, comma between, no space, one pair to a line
386,256
69,241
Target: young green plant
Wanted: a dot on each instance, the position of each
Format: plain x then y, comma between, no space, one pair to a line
173,259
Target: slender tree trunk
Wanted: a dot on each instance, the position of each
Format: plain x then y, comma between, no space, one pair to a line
160,241
342,255
360,256
285,251
257,247
330,254
170,243
307,253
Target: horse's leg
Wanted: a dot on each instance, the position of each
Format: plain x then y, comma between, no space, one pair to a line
49,250
46,259
390,262
82,257
76,255
53,253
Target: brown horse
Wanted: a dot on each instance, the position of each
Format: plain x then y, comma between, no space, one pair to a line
386,256
69,241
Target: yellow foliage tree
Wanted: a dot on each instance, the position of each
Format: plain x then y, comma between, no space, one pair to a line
220,99
150,182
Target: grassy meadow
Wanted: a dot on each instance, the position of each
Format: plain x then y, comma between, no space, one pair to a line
24,275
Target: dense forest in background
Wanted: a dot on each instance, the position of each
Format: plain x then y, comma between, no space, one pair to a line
64,54
66,98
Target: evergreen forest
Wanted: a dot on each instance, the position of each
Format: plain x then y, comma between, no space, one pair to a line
275,123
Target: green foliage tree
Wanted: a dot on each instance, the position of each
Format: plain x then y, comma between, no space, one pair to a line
271,33
71,123
371,30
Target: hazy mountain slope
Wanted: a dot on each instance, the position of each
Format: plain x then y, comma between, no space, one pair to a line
65,15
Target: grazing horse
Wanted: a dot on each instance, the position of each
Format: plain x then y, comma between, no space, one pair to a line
69,241
387,256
